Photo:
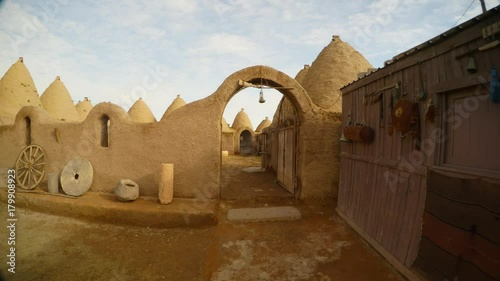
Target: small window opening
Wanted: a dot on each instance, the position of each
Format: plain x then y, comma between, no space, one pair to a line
27,120
105,131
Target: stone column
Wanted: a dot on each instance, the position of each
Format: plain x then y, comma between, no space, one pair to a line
166,184
53,183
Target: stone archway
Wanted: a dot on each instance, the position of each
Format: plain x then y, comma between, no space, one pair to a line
289,87
198,156
286,85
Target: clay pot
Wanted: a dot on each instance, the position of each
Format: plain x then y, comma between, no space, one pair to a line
127,190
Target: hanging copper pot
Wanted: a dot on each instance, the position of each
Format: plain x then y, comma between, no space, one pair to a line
359,133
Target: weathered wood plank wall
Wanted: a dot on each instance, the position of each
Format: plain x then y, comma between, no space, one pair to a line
385,188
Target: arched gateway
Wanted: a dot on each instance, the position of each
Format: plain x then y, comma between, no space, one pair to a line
286,140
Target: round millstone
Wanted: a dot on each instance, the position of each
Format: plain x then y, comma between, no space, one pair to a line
76,177
127,190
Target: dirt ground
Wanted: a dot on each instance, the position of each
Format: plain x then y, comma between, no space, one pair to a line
320,247
238,184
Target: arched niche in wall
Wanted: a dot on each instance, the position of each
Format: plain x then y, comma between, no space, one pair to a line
28,118
27,130
105,122
99,120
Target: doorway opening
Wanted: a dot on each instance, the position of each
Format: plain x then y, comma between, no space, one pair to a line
247,146
248,170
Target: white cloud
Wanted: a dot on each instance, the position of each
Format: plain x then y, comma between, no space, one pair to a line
103,49
183,7
226,44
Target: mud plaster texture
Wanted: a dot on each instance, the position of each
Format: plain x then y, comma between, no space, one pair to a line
189,138
17,89
228,142
336,65
56,100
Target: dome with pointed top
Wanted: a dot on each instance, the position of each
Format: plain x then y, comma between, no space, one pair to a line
17,89
241,120
225,126
264,124
140,112
57,102
177,103
83,108
336,65
302,74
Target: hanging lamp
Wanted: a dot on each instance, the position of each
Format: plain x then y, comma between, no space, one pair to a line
261,94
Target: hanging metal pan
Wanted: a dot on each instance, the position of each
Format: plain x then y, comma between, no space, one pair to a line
401,116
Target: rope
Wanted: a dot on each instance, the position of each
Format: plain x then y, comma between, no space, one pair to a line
338,98
463,13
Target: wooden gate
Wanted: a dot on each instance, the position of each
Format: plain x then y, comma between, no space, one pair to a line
286,158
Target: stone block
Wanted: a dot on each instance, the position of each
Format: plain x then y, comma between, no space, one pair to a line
166,184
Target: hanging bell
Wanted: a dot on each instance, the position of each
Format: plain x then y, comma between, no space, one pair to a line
344,139
261,97
471,65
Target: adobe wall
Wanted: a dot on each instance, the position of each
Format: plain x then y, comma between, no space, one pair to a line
320,156
318,134
190,138
228,142
135,151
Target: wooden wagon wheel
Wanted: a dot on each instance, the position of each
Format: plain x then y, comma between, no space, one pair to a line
30,167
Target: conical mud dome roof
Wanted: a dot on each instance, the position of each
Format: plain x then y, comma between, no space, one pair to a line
241,120
140,112
57,102
225,126
177,103
83,108
302,74
285,104
17,89
336,65
264,124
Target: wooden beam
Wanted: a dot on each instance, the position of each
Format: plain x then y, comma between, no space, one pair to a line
462,82
393,164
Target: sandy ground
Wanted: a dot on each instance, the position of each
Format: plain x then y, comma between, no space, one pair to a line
321,247
239,184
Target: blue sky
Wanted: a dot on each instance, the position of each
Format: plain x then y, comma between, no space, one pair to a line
119,51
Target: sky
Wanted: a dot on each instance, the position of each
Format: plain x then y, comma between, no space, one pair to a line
120,51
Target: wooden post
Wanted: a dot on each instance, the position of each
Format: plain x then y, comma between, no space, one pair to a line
483,6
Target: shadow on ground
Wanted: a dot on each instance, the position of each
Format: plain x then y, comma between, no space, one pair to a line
320,246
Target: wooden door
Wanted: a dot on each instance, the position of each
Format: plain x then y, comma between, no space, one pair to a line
286,158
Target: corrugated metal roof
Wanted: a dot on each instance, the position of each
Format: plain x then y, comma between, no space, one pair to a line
443,36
